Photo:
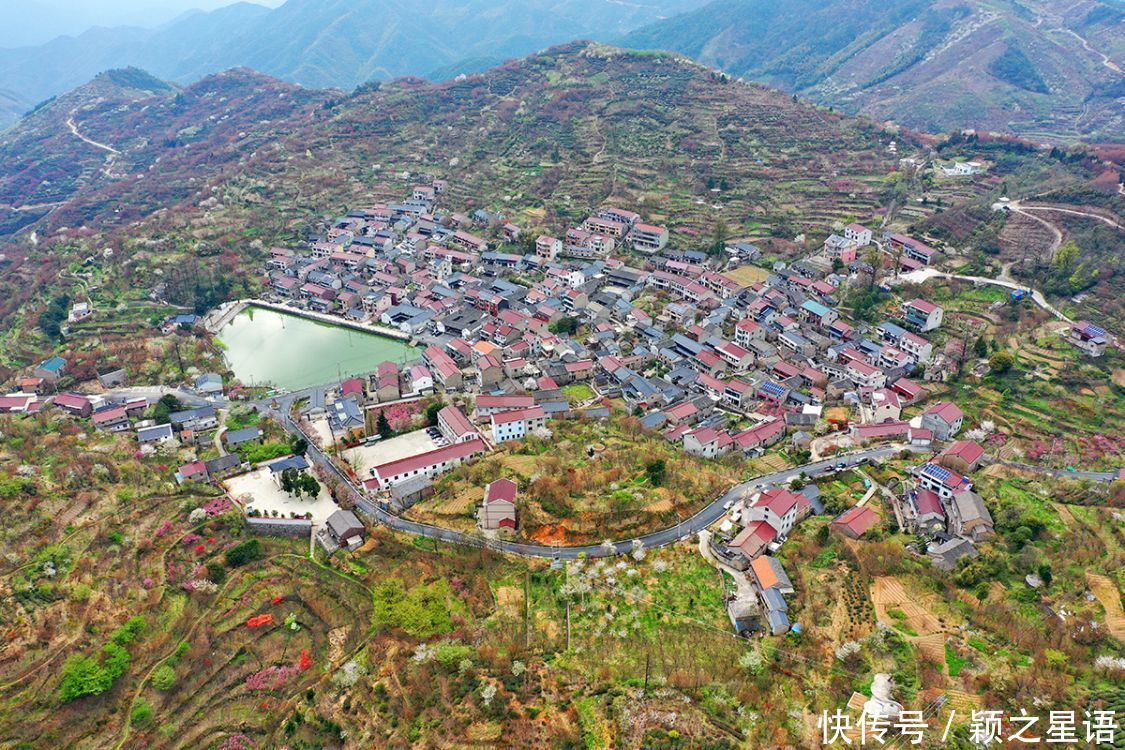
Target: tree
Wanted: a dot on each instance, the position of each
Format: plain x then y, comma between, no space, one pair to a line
656,471
383,425
164,677
82,675
164,408
216,573
432,412
142,712
566,326
1001,362
287,481
307,484
719,237
980,346
50,322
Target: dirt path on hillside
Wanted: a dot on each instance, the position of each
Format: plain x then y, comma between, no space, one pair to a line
1106,59
74,130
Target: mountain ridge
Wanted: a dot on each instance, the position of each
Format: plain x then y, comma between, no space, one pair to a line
935,65
658,120
321,43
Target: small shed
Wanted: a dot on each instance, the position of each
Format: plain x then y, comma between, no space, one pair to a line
345,528
209,383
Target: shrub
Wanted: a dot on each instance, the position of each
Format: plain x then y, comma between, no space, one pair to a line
450,654
164,677
243,553
82,675
128,632
142,712
216,573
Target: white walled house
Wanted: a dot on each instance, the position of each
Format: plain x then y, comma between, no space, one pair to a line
517,424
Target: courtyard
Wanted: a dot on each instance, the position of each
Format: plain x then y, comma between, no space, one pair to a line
259,491
363,458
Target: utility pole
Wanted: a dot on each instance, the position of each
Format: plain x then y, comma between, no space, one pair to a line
648,661
527,609
568,625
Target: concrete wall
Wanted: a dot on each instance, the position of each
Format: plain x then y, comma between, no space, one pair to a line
294,527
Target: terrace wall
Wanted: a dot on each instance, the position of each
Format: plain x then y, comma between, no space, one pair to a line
294,527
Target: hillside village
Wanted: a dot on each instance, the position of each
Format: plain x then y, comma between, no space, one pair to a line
520,336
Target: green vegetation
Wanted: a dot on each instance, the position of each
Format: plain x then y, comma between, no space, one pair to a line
1068,273
165,407
52,318
142,712
383,425
567,326
299,483
422,611
164,677
954,662
590,719
1001,362
244,553
578,392
602,477
87,675
241,417
1013,66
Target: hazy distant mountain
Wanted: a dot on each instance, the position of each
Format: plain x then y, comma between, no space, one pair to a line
1044,68
28,22
327,43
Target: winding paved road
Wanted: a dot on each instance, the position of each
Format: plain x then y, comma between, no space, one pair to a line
1020,208
1095,476
685,528
700,521
70,123
921,275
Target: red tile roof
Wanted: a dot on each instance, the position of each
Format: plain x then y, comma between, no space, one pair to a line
517,415
779,501
71,401
882,429
947,411
425,460
968,450
485,401
858,520
922,305
501,490
195,468
109,415
456,420
705,435
928,502
755,534
760,433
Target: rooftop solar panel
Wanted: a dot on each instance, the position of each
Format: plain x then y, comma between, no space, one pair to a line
938,472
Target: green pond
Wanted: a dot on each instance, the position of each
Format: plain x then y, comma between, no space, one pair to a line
264,346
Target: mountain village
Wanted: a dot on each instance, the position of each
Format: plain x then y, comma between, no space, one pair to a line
717,355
